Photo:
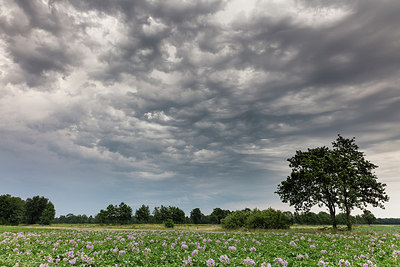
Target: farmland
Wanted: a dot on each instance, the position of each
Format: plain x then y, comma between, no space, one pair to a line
94,246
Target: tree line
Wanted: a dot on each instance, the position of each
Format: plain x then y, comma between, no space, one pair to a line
123,214
39,210
35,210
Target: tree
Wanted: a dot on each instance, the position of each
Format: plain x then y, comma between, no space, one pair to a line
218,214
336,178
196,216
101,217
368,217
177,215
142,214
48,214
34,208
311,182
357,183
12,210
124,213
112,214
162,214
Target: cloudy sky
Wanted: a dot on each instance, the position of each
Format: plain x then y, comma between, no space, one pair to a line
191,103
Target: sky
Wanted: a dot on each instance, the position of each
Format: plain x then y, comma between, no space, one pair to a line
194,104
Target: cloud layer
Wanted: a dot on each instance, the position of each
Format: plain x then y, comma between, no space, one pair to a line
192,102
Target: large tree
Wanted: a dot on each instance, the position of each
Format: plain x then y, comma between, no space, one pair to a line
335,178
34,208
357,182
311,182
12,210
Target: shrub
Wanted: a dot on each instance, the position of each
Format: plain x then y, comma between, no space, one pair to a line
257,219
268,219
169,223
235,220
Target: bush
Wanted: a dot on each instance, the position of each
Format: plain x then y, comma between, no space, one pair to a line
268,219
169,223
235,220
257,219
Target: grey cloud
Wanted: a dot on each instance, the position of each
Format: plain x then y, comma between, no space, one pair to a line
168,94
38,39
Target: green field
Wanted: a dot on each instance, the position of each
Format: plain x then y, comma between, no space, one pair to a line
196,245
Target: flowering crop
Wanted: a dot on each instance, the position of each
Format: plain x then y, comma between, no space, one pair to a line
178,248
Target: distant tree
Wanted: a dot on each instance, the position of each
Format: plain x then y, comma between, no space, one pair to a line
142,214
177,215
218,214
162,214
196,216
324,218
339,178
12,210
48,214
124,213
101,217
34,208
112,214
369,217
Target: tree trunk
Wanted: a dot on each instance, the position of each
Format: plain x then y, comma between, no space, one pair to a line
348,221
333,218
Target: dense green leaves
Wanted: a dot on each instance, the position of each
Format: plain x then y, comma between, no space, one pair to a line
335,178
12,210
142,214
196,216
257,219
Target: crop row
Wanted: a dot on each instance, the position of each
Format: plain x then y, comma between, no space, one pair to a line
174,248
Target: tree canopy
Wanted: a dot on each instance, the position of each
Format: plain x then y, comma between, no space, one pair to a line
339,178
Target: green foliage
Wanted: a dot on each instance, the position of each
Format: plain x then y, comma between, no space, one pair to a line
74,219
162,214
48,214
114,214
338,178
169,223
124,214
369,217
356,182
12,210
34,208
257,219
142,214
218,214
235,220
196,216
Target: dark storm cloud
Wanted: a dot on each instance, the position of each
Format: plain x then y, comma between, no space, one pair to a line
39,40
